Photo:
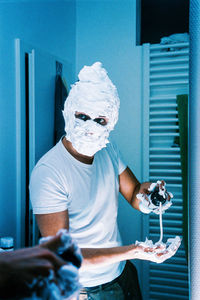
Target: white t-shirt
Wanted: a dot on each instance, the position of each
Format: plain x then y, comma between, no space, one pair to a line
90,194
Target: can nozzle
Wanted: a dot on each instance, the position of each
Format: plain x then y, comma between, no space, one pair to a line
156,197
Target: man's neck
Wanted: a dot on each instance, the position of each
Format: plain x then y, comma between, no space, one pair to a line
80,157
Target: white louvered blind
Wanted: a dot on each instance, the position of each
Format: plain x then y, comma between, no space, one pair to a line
167,76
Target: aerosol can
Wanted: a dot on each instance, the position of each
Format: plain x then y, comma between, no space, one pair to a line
157,199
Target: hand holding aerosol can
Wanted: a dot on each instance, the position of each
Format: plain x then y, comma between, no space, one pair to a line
157,196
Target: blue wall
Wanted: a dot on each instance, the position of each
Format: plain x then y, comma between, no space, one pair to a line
79,32
50,26
106,32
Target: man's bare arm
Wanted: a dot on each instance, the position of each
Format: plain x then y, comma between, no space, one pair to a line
49,224
104,256
129,187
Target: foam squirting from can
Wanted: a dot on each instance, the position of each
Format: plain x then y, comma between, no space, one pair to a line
158,200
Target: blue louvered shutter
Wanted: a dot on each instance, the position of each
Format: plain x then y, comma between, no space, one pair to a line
165,75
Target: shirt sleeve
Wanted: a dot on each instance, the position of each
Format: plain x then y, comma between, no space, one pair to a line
122,164
47,193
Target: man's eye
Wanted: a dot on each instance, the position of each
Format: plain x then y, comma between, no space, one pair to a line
82,117
100,121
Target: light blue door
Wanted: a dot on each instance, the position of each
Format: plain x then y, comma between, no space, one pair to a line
35,89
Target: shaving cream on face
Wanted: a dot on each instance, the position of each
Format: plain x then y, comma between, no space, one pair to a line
96,96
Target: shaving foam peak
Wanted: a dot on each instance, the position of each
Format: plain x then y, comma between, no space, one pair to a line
94,86
95,73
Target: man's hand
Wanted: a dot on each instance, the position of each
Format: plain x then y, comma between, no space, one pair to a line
137,194
157,253
65,247
145,193
17,268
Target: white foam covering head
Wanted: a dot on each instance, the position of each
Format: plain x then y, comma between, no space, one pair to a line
95,95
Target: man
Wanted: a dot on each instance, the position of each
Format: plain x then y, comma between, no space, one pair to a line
76,185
